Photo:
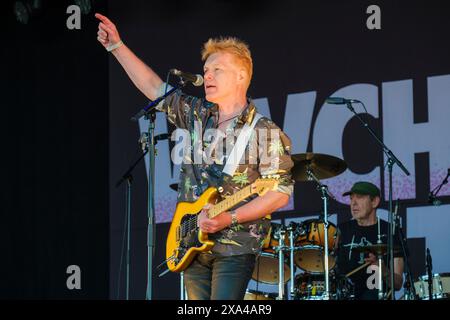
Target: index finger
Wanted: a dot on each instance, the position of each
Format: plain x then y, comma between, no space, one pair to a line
104,19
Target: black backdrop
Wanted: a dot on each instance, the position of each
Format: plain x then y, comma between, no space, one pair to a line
54,207
58,137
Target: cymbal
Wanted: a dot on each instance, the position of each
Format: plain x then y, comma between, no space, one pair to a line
174,186
376,249
322,165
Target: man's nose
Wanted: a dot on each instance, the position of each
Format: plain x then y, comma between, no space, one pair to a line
207,75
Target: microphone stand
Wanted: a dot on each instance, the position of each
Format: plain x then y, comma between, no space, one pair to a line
129,178
392,159
150,114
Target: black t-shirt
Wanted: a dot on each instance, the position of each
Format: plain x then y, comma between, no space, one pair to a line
351,235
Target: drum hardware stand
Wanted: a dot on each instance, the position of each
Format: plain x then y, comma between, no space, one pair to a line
183,295
290,229
392,159
410,290
429,267
381,295
325,194
280,248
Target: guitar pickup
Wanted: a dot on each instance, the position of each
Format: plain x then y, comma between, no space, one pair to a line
178,235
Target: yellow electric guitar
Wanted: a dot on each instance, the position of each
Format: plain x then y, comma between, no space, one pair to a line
185,239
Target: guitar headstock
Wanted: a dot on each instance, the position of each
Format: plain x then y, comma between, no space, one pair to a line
265,184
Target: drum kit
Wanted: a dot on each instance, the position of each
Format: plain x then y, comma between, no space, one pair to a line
306,253
310,245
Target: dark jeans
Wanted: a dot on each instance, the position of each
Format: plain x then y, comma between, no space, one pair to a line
211,277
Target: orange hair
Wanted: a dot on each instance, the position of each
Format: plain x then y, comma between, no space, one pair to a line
232,45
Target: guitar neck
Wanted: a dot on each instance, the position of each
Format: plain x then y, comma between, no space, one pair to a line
229,202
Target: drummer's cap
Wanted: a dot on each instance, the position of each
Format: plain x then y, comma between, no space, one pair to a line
364,187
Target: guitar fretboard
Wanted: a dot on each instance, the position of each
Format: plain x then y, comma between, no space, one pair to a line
229,202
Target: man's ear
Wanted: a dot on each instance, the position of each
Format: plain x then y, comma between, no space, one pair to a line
376,202
242,75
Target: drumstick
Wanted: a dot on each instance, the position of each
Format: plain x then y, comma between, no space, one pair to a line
357,269
389,294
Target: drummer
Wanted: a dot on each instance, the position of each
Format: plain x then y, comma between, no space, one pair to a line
363,230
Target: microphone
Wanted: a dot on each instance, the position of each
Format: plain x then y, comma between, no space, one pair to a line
433,200
336,100
195,79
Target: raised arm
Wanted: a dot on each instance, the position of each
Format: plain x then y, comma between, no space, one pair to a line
143,77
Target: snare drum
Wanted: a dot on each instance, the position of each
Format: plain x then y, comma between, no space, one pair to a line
267,263
311,242
441,286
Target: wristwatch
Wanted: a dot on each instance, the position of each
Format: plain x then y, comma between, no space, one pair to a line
234,220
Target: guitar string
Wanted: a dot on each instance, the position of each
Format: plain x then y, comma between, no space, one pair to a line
191,223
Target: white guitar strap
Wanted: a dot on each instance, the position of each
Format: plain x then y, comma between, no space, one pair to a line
241,143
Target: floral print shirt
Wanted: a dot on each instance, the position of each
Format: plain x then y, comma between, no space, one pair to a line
196,116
